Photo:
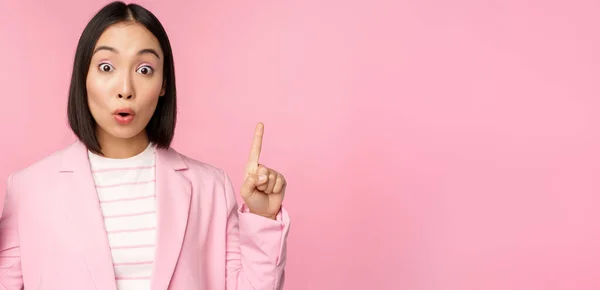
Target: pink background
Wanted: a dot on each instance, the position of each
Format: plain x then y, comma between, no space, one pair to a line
428,144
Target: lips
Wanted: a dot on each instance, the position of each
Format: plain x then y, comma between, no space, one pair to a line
123,111
124,115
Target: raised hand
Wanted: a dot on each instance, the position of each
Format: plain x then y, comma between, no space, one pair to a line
263,189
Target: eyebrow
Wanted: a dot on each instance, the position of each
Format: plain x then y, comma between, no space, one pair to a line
143,51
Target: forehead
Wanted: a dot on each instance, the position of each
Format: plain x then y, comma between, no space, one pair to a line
128,38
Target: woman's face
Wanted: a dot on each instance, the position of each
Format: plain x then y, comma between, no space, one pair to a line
124,81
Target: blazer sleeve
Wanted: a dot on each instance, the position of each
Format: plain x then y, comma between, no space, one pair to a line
256,246
11,277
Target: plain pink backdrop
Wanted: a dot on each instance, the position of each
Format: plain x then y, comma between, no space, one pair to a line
429,144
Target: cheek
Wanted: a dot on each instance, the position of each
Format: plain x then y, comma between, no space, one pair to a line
148,90
148,96
97,90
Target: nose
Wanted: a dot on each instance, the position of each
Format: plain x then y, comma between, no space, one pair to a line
128,97
126,90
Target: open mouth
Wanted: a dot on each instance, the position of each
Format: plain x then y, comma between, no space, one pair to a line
124,116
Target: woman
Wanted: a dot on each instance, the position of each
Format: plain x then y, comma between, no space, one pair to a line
119,208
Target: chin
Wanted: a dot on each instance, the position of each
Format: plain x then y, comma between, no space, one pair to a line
127,133
123,132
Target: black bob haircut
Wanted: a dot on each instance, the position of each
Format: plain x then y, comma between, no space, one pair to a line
161,127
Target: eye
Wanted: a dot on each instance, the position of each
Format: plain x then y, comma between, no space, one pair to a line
105,67
145,70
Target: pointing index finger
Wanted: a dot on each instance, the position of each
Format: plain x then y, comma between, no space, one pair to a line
256,147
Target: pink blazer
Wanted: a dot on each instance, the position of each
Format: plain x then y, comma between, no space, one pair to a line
52,233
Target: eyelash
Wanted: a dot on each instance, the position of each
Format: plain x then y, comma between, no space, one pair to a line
112,68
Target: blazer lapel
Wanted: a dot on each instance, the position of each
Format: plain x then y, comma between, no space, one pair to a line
173,194
84,211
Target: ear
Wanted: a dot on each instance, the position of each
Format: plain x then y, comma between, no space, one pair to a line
163,91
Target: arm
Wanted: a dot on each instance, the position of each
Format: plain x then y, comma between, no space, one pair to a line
10,253
256,247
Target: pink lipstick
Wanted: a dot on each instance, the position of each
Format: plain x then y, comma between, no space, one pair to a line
124,116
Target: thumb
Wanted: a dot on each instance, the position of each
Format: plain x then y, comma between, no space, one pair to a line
248,186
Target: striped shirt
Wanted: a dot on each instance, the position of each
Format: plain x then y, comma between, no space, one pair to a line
126,190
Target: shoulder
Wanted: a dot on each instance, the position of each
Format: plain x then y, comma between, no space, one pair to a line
196,167
204,176
44,165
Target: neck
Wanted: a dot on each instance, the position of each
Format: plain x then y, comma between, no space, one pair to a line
113,147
